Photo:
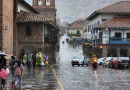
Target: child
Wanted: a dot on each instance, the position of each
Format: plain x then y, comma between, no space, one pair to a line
3,75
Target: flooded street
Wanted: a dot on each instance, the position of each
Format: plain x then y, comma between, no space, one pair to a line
63,76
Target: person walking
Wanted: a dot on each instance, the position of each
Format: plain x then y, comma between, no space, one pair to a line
39,60
3,75
34,59
12,63
24,59
73,46
18,74
28,61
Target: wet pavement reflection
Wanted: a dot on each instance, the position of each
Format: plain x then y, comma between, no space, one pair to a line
73,78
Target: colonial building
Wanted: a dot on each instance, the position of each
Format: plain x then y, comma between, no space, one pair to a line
36,33
75,31
24,30
46,8
111,30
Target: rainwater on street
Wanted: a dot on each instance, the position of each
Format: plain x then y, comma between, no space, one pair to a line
62,76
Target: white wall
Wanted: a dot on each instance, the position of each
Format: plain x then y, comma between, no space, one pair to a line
23,7
106,34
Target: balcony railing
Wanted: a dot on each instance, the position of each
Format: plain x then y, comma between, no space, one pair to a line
50,39
74,34
119,40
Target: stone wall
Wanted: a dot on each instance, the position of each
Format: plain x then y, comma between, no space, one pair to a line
7,27
91,51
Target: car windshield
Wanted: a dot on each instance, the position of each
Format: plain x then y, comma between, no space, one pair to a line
124,61
79,57
108,58
114,58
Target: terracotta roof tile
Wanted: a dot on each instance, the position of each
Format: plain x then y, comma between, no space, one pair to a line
77,24
122,6
30,17
116,22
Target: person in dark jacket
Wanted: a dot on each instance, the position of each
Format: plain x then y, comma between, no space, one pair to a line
28,61
12,63
2,61
34,60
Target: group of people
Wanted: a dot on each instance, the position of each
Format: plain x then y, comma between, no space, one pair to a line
35,59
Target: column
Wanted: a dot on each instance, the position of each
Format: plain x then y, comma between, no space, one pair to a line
118,52
35,2
109,36
123,35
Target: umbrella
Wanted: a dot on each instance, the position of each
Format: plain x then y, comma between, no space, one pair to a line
2,53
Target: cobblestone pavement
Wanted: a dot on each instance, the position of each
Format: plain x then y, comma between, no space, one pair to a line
67,77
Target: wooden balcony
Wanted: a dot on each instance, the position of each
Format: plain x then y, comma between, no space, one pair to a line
119,40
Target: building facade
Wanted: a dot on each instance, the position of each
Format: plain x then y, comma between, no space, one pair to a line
6,27
46,8
75,31
111,30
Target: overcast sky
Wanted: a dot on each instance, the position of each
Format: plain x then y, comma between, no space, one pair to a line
70,10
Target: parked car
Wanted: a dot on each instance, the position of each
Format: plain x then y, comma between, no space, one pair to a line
106,61
100,60
122,62
80,60
112,62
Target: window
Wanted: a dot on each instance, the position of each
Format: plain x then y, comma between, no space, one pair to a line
39,2
104,20
118,35
47,2
78,32
28,30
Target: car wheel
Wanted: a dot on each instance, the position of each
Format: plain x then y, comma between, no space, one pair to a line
72,65
87,65
82,64
78,65
105,66
127,67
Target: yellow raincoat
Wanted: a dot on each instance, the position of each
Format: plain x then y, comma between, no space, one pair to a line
24,58
39,59
94,58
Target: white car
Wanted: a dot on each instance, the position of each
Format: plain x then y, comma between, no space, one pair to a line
100,61
106,61
80,60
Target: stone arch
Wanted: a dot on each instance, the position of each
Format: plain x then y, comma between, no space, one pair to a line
28,48
112,52
124,52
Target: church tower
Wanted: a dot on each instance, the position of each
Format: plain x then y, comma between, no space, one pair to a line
46,8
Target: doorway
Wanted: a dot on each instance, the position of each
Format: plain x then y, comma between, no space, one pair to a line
123,52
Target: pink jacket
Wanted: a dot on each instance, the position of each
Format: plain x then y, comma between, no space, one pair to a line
3,74
18,70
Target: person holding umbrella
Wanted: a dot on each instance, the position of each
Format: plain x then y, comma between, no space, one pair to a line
2,59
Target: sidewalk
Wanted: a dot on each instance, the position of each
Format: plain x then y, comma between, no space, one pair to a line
35,79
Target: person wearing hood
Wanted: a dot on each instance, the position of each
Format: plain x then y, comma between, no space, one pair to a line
34,60
3,75
28,61
44,58
24,58
39,60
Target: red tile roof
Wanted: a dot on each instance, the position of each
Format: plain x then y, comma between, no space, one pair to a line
30,17
77,24
121,22
119,7
122,7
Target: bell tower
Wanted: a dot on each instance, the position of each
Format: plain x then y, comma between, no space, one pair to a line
46,8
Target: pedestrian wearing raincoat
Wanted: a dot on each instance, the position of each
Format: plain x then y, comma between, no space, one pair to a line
3,75
24,59
39,60
94,58
44,58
